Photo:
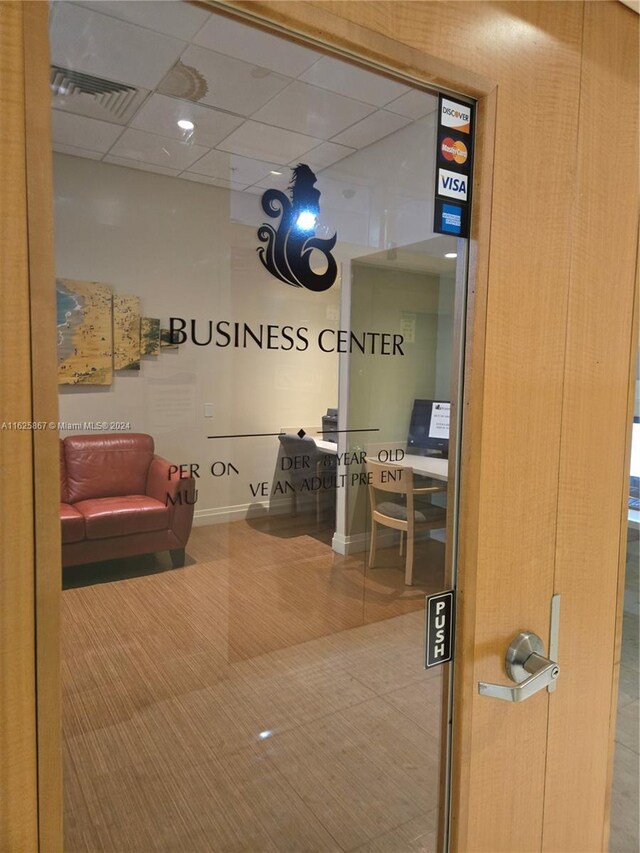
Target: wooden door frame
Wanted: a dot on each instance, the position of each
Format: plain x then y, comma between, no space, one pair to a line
38,451
30,722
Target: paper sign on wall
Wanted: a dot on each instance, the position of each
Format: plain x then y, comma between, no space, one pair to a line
440,417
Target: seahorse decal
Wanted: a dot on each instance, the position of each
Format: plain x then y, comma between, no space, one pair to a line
287,254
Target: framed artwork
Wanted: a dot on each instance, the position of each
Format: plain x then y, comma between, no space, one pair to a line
165,340
126,332
85,339
149,336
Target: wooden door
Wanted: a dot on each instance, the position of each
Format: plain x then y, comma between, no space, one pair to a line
551,347
551,344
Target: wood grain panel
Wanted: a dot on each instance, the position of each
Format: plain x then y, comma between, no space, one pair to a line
601,353
18,783
45,410
350,34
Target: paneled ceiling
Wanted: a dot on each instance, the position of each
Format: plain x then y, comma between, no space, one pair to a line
127,72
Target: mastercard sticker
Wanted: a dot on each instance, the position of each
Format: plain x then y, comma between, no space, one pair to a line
454,150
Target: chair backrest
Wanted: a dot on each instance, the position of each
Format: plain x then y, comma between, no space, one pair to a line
388,477
301,454
107,465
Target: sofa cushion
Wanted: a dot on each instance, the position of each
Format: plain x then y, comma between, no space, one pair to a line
104,466
72,524
64,491
121,516
420,516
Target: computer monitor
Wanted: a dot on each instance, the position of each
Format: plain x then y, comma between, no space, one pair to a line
429,428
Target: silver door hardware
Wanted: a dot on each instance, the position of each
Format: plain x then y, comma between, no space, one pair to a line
526,665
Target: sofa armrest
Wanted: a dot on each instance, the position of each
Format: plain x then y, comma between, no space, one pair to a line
178,493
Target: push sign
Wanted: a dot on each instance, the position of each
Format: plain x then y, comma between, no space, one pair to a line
454,160
440,615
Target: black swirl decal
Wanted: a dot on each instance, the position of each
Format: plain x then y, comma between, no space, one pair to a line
288,249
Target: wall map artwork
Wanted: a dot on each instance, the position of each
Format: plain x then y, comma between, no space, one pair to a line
149,336
99,332
85,338
126,332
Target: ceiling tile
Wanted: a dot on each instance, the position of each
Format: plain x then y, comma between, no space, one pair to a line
161,114
263,142
231,84
150,148
414,104
308,109
276,182
372,128
237,39
347,79
59,148
96,44
178,19
82,132
137,164
214,182
255,190
325,155
230,167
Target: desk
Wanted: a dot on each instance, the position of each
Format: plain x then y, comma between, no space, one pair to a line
425,466
326,446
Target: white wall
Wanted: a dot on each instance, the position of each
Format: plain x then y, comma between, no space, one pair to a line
382,392
171,242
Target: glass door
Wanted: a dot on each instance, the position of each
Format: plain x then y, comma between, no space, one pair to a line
259,347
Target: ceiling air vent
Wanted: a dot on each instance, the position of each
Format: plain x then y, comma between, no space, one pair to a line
94,97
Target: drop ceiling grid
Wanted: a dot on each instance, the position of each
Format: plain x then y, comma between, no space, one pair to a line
251,129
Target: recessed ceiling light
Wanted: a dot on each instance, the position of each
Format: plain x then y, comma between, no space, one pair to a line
451,255
185,124
275,172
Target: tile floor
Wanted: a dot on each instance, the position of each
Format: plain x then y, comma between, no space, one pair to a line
268,697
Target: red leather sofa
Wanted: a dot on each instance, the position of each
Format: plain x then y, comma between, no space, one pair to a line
118,499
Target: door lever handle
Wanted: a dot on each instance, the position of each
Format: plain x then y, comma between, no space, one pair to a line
526,665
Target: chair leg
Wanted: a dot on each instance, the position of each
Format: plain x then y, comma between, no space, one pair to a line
401,542
177,557
372,545
408,572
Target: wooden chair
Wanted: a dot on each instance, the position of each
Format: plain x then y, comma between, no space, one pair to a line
402,516
307,461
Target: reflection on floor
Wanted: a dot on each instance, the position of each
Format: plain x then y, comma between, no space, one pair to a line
268,697
625,837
